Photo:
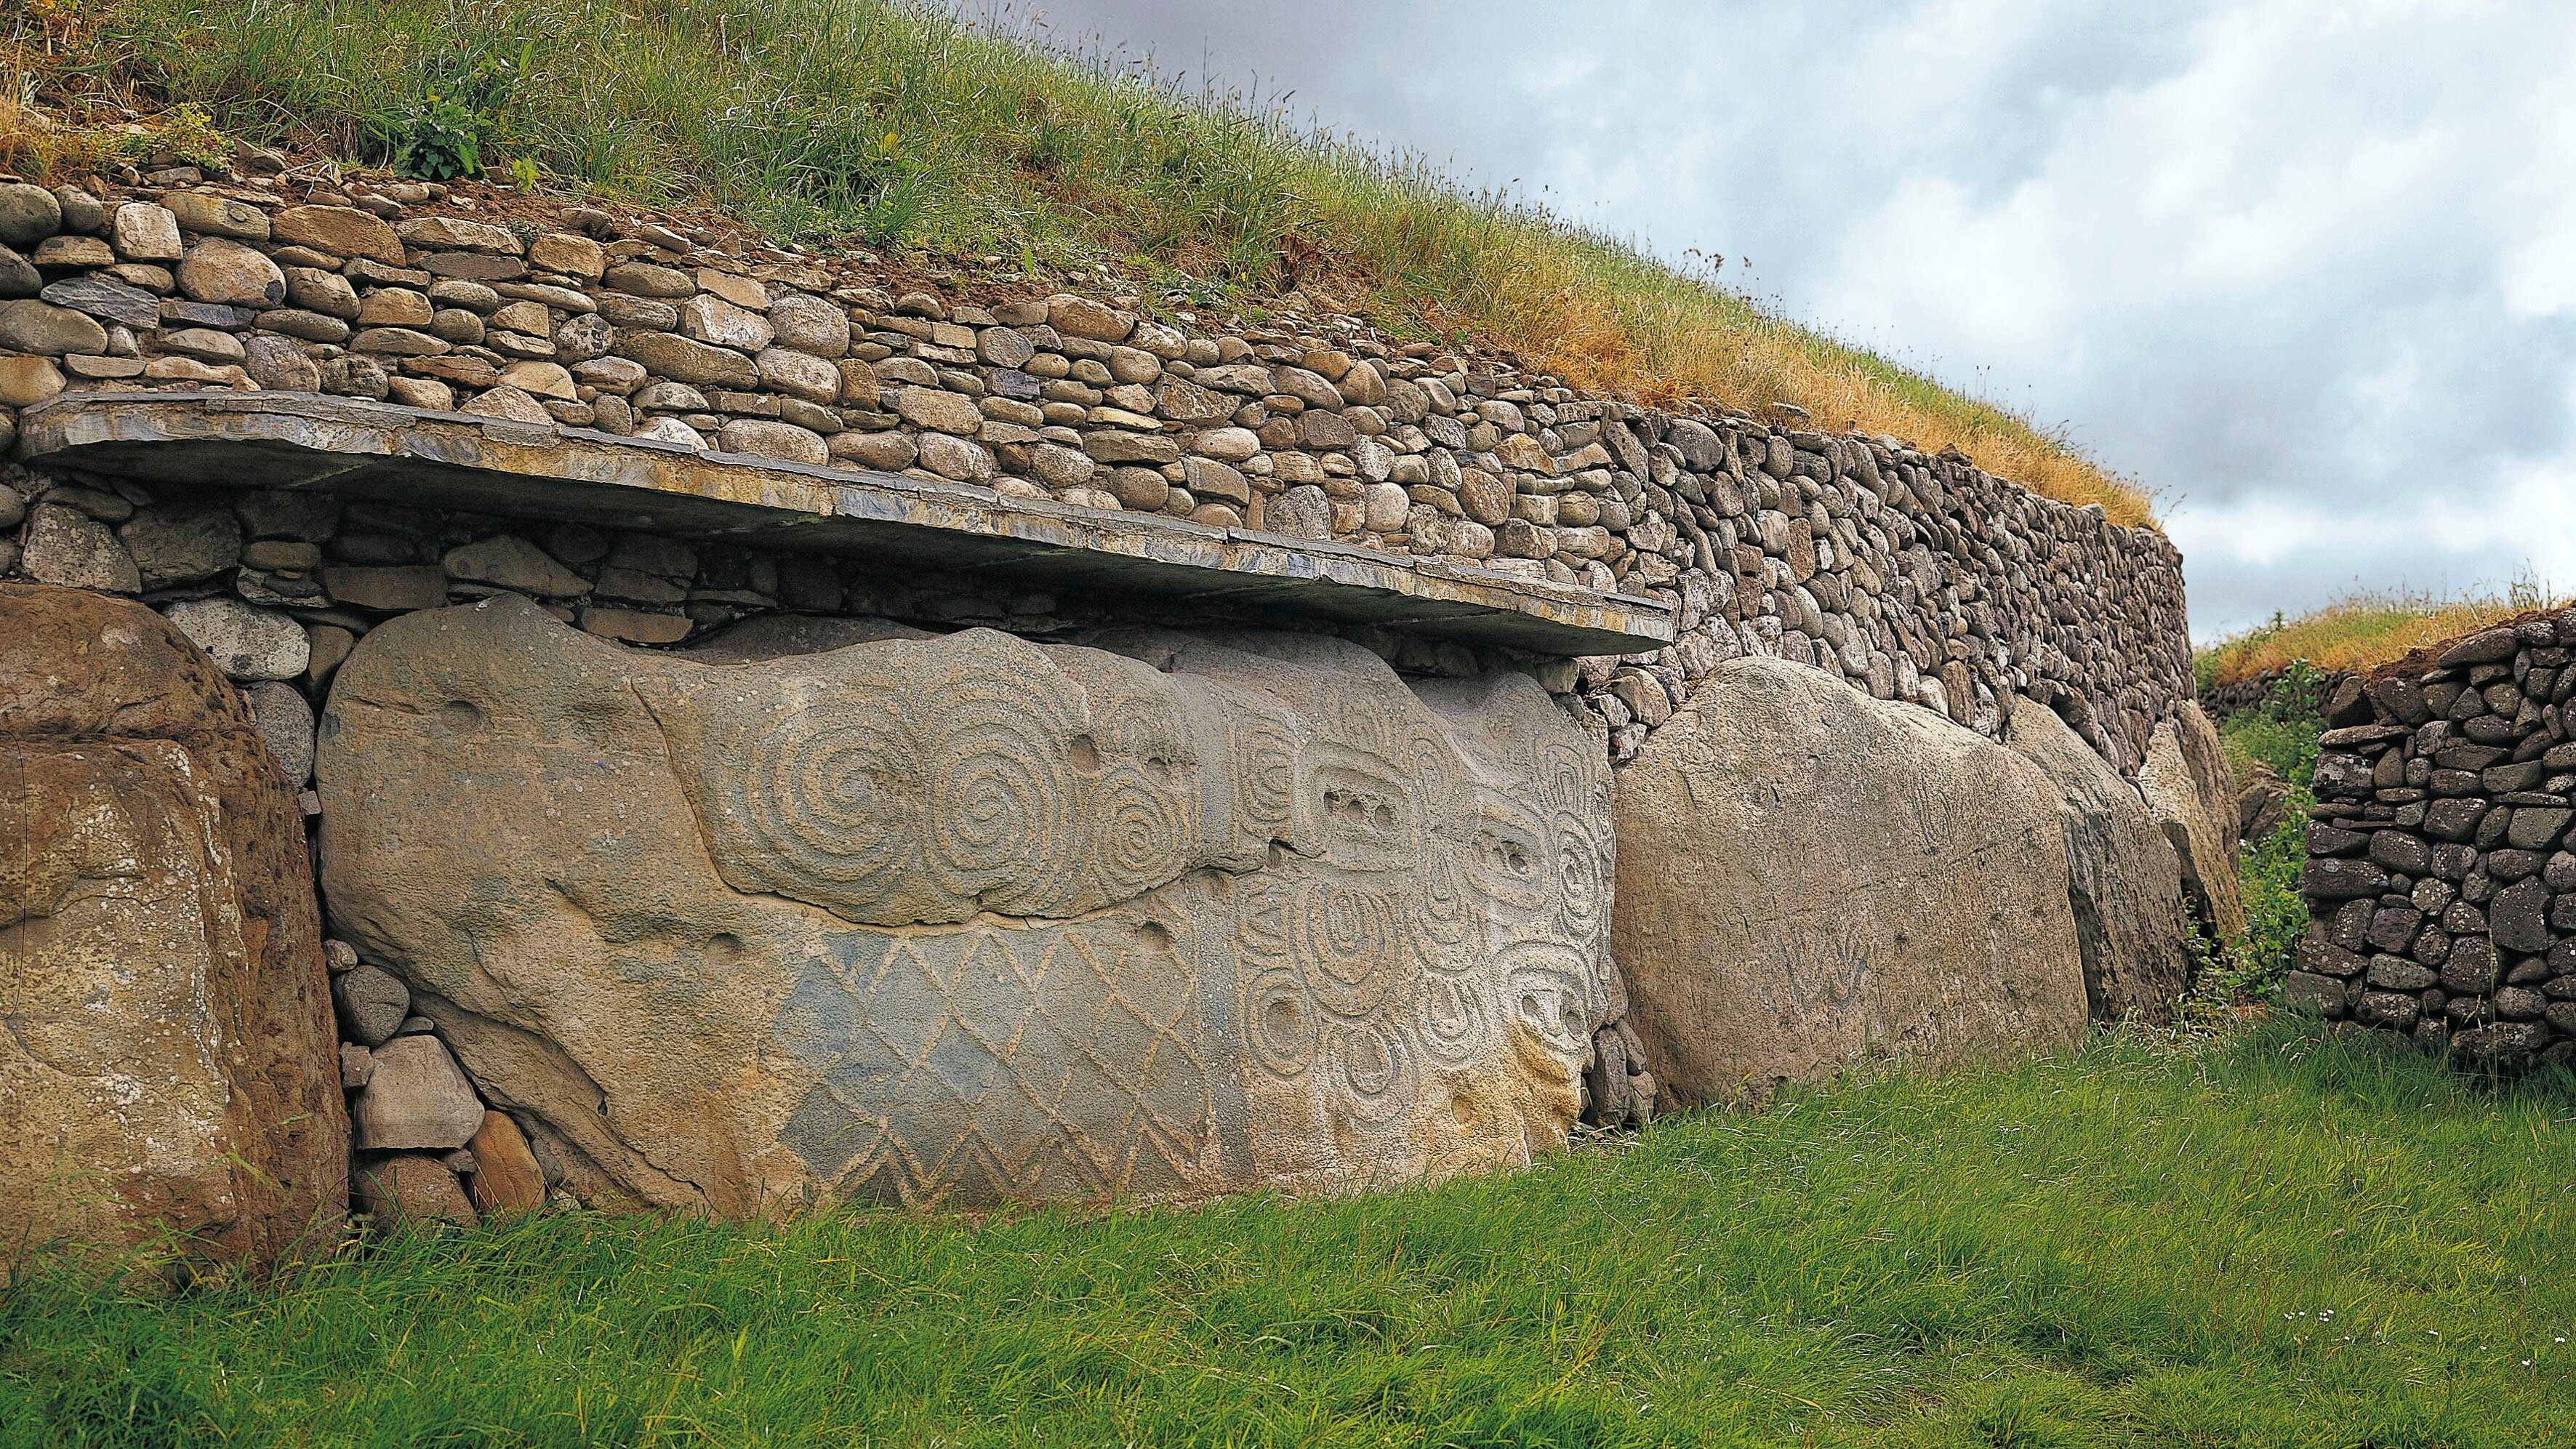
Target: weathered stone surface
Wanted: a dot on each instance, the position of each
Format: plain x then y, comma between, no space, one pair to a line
507,402
415,1098
27,325
410,1187
169,1054
970,918
286,722
2190,790
683,360
340,230
1809,876
68,547
511,562
944,412
245,641
26,381
217,270
761,438
372,1003
28,214
1082,317
506,1177
2122,879
218,216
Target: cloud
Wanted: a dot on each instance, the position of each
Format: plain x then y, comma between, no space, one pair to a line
2307,267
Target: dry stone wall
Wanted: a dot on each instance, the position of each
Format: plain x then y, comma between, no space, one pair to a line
2441,885
1917,577
1911,578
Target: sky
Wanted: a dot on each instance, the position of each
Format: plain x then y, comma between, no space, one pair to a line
2305,268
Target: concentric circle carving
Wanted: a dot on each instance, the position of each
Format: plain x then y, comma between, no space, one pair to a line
1376,1067
821,790
1347,940
1279,1022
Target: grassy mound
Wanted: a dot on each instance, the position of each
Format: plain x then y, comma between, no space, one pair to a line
2272,1240
2362,631
908,129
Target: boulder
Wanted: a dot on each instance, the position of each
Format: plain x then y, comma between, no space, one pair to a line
507,1178
2192,794
969,919
415,1098
410,1187
147,822
2122,881
1809,876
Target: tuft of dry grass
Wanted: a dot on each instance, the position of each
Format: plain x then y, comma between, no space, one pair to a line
2365,630
912,129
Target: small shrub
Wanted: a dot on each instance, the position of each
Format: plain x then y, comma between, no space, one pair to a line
437,139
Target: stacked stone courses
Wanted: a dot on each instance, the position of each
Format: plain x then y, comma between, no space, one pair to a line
2440,883
1916,577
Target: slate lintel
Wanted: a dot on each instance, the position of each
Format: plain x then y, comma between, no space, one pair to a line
415,456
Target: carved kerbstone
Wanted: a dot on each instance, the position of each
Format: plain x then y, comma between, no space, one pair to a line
1810,877
966,918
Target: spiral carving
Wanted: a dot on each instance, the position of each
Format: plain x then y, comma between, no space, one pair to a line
997,767
1265,784
1578,872
820,793
1142,830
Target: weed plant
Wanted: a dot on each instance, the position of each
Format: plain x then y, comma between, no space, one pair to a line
2281,734
2275,1239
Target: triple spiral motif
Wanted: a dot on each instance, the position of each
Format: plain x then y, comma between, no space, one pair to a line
894,806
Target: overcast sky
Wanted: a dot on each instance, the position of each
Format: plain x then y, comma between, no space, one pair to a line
2305,267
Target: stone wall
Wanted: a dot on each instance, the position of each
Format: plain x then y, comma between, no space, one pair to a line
2441,889
1918,577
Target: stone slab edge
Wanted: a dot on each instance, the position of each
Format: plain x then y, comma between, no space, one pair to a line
92,429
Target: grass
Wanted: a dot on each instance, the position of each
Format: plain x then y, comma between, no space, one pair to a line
2364,630
2274,1239
908,128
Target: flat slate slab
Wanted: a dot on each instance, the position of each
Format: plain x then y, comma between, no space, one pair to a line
486,465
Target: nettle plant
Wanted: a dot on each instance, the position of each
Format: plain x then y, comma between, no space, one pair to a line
443,133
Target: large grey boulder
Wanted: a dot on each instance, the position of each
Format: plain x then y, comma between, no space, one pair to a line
966,918
1809,877
2122,879
2191,791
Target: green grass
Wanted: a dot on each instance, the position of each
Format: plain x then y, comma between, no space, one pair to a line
906,128
2272,1240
